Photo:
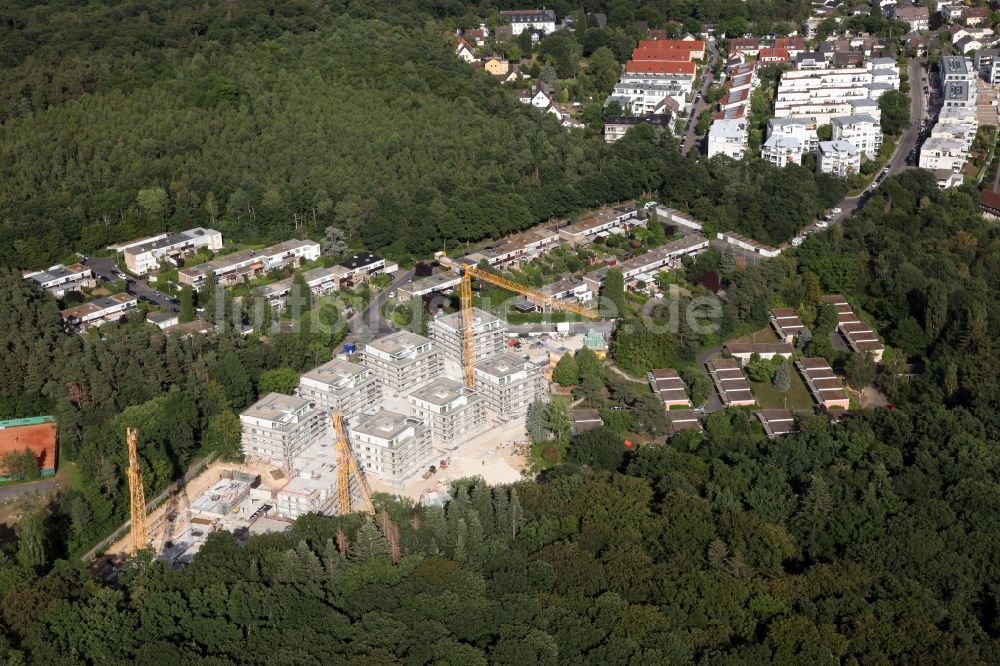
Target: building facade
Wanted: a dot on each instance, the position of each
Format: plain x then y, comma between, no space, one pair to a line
839,158
454,412
169,248
278,427
489,335
241,266
60,279
401,360
509,383
391,446
340,386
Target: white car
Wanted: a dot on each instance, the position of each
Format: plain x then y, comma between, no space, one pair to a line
836,211
822,224
798,240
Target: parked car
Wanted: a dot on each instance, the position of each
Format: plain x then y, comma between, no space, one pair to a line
798,240
822,224
836,211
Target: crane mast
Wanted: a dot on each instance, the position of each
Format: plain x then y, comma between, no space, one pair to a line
347,466
140,529
465,291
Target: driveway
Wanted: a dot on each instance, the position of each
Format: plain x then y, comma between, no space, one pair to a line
104,268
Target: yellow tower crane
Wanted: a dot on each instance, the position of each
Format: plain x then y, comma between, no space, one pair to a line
465,293
140,529
347,466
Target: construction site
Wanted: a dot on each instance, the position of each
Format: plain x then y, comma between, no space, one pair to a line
404,414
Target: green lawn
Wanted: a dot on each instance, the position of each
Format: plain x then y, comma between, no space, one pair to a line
797,397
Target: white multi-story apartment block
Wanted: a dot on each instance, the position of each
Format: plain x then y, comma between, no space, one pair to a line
640,98
340,386
401,361
839,158
943,154
391,446
98,312
59,279
862,130
823,94
956,69
510,383
782,150
146,254
454,412
277,428
232,268
538,20
489,335
728,137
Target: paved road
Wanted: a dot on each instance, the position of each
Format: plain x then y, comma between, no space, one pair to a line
371,316
690,138
916,68
105,267
607,328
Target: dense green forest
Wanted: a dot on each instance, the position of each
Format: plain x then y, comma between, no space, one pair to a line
867,541
275,121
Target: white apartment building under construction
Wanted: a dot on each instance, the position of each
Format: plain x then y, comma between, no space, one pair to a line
454,412
340,386
489,336
509,383
277,428
391,446
401,361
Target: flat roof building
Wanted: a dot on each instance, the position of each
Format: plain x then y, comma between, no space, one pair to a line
431,284
401,361
391,446
586,419
489,335
312,483
454,412
340,386
241,266
601,223
98,312
509,383
279,427
766,350
60,279
146,255
683,419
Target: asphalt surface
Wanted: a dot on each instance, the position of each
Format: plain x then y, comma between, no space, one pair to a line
33,489
371,316
690,138
105,268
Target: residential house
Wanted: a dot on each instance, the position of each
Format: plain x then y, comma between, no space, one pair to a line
786,324
744,351
98,312
748,244
774,55
144,256
919,18
606,221
730,383
537,96
495,66
974,17
241,266
58,280
823,383
749,47
465,52
163,320
669,388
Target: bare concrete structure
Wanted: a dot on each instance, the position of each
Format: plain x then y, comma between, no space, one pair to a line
509,383
454,412
340,385
489,336
277,428
401,361
391,446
